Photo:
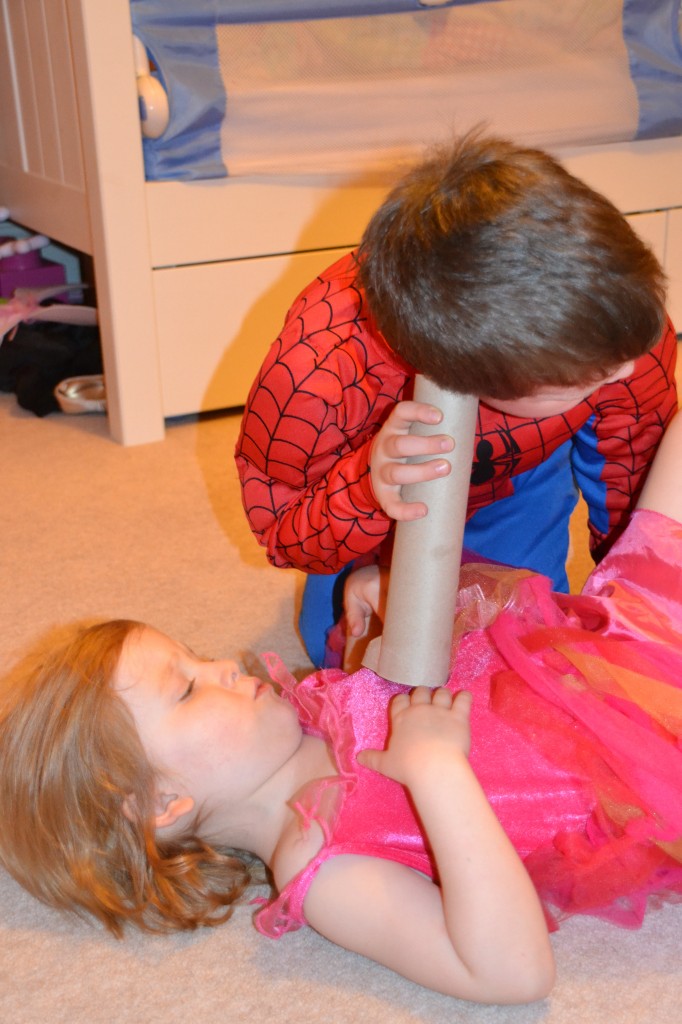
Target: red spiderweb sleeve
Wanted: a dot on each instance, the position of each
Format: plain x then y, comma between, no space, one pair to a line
628,428
303,451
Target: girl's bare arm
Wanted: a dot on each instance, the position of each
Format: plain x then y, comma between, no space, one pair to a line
481,933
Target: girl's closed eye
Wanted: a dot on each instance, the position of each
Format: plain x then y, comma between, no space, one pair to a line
188,692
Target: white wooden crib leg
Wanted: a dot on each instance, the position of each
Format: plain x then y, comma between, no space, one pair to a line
112,151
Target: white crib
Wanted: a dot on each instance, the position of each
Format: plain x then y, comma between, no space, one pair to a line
194,277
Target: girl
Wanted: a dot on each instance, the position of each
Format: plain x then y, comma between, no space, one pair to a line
132,774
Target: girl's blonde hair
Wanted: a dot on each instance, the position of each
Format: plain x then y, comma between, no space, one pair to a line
71,760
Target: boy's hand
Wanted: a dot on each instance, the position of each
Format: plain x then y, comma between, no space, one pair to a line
393,444
364,592
426,727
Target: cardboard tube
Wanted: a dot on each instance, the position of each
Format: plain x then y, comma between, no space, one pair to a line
415,646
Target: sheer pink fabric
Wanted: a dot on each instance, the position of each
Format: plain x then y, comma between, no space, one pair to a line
576,734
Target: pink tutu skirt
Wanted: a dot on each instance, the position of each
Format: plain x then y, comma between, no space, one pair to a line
593,684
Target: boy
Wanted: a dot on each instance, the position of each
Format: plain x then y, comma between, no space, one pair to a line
495,272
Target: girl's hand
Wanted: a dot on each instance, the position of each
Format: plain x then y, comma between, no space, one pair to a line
364,593
393,444
427,726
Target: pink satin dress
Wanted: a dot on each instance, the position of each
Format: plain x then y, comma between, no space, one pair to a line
576,734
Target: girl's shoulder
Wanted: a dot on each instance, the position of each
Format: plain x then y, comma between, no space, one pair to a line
309,812
298,847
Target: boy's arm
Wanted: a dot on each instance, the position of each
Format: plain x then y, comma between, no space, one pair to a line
324,437
612,452
348,511
323,392
319,527
479,934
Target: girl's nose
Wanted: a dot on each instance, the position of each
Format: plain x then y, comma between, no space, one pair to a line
229,673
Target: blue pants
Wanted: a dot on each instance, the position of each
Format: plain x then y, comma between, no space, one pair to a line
529,529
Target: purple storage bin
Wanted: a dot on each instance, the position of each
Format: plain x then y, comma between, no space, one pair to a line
29,270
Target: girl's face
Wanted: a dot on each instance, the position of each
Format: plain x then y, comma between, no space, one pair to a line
213,734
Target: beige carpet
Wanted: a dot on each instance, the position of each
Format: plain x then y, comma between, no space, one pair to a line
88,528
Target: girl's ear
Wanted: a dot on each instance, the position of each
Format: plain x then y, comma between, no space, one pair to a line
169,808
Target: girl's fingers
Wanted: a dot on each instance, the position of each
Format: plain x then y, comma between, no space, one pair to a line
370,759
462,703
421,695
443,697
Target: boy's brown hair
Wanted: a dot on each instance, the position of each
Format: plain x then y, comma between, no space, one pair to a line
495,272
77,798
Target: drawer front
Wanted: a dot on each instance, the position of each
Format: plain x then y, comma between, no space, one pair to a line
216,322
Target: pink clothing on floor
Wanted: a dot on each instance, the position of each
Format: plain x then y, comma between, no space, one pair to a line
576,734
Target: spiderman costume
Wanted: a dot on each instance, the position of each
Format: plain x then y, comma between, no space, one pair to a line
330,380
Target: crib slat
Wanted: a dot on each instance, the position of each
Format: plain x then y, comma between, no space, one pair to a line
46,128
40,70
64,91
28,116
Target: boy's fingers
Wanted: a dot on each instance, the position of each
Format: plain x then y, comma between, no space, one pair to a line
357,618
405,512
415,412
397,474
405,446
355,624
400,473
